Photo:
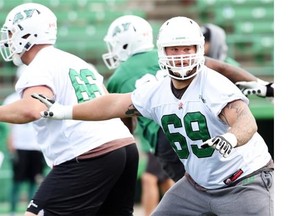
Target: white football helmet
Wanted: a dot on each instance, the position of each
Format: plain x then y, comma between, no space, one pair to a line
181,31
26,25
126,36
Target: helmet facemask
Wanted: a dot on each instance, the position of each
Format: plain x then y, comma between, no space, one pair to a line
14,45
183,66
110,59
7,50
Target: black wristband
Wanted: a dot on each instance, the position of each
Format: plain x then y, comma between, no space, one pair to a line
270,90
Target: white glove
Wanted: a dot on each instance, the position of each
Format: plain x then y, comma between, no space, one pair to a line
223,143
260,88
55,110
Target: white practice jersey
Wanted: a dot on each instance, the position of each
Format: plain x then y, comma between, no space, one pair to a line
23,135
72,81
193,119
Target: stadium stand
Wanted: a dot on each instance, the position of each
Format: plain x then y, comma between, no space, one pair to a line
82,24
250,30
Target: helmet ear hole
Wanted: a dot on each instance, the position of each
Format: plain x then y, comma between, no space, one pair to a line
125,46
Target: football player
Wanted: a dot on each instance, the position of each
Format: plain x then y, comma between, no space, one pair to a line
206,118
94,163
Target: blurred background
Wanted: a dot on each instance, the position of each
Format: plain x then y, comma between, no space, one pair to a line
82,24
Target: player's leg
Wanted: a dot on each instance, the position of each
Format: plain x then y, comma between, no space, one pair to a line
149,181
36,163
164,181
120,200
19,165
79,187
14,196
183,199
150,192
165,185
168,158
251,196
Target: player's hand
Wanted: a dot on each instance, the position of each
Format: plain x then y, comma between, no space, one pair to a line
223,143
260,88
55,110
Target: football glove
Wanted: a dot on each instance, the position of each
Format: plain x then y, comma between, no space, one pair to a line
55,110
223,143
260,88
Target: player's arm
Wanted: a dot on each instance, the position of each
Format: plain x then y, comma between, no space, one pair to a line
246,82
241,121
105,107
26,109
242,126
233,73
101,108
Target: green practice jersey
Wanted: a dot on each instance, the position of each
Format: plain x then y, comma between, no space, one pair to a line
123,80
